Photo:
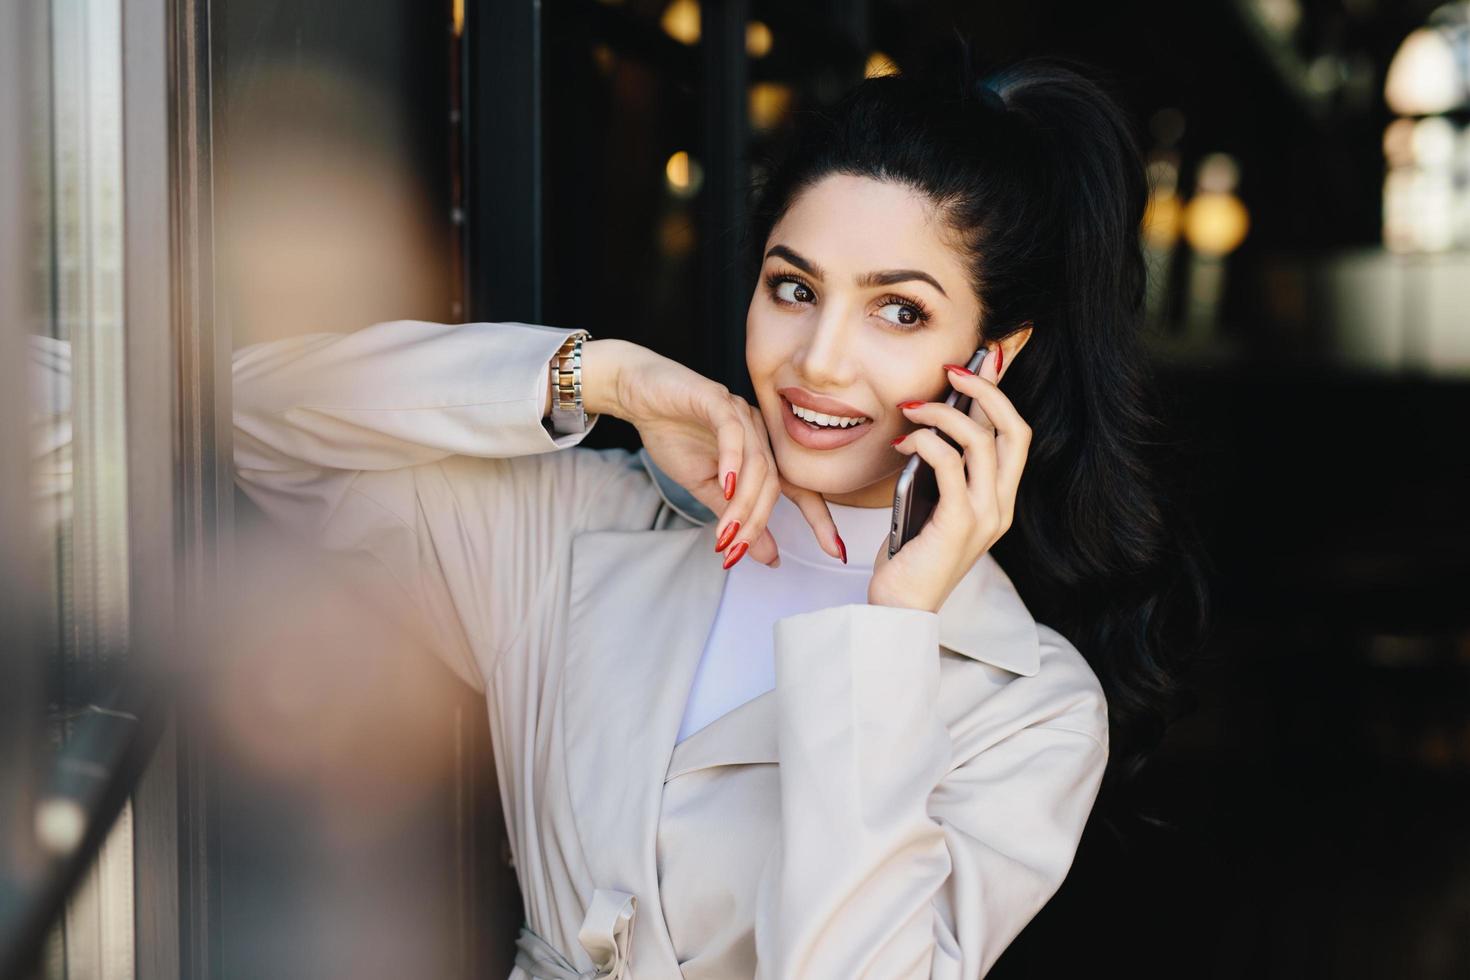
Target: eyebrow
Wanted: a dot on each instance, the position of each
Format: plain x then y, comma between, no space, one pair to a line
867,279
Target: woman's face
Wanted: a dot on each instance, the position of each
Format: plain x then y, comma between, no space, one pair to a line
861,300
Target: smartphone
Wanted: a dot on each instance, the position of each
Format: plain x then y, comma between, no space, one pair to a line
917,493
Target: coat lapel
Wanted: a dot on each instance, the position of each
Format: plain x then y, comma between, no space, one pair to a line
628,677
626,684
984,618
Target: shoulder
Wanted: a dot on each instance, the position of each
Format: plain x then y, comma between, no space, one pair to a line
986,704
1072,687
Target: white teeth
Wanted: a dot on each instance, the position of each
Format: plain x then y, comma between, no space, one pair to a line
820,418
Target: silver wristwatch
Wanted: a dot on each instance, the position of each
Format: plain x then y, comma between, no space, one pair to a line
568,416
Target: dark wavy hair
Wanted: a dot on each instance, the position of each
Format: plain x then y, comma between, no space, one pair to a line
1035,168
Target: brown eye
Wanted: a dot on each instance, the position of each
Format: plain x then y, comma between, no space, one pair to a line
907,315
911,315
791,291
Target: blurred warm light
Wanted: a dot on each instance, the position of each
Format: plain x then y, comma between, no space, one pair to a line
1426,203
676,234
1215,220
1424,77
1423,211
769,103
684,174
757,39
603,58
1163,218
1433,142
681,21
1215,223
879,64
1398,142
1218,173
458,18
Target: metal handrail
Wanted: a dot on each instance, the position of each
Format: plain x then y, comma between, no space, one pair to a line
92,775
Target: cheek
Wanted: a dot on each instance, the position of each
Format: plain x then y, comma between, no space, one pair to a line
764,351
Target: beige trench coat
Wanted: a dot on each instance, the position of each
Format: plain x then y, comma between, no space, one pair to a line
902,803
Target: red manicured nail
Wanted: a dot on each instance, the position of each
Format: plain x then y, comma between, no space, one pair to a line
736,553
958,367
899,439
909,404
729,484
726,535
1000,356
841,547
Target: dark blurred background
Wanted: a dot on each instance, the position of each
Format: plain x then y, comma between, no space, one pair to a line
331,164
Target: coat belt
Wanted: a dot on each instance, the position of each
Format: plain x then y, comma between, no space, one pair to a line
606,935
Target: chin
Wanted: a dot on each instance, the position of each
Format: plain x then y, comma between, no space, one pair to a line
826,475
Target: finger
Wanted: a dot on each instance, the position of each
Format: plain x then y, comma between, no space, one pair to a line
1013,435
990,363
812,504
730,437
975,437
765,549
766,545
754,470
963,427
813,507
769,495
999,410
949,466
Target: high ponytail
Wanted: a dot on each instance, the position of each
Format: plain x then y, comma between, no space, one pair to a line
1035,167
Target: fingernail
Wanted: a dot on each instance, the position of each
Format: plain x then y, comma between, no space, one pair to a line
726,535
999,357
909,404
958,367
900,439
729,484
841,547
736,553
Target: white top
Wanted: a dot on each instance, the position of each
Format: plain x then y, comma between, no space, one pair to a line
739,660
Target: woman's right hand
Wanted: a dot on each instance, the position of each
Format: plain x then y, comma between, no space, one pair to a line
713,443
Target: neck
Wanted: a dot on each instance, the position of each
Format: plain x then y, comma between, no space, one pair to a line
876,494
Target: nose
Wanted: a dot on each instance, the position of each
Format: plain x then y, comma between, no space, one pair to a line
825,362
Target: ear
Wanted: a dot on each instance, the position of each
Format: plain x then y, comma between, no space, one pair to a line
1011,345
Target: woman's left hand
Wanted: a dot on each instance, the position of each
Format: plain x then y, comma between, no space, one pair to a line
977,491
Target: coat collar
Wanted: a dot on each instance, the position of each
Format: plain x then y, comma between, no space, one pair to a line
984,618
627,682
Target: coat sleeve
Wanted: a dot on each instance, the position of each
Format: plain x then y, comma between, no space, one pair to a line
906,851
418,449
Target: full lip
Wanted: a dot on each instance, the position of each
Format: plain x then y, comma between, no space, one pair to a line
819,403
820,439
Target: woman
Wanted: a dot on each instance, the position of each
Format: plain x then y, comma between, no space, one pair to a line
813,768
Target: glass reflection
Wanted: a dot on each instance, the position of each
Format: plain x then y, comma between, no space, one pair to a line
78,435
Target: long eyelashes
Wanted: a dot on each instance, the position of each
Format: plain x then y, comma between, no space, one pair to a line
921,311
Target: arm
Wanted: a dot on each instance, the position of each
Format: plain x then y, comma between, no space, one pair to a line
905,852
419,448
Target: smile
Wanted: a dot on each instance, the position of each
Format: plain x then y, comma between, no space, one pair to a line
815,436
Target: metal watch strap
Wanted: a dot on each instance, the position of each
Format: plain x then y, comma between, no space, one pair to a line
568,415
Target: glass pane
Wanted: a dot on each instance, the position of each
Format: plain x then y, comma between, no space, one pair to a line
79,458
